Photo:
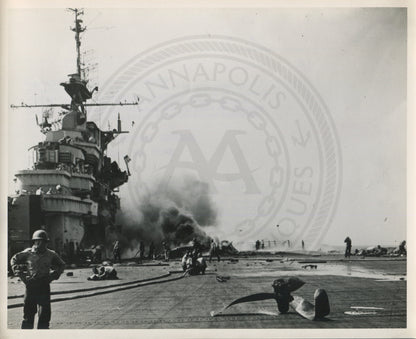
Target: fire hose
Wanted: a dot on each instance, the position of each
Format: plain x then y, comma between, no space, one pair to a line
108,289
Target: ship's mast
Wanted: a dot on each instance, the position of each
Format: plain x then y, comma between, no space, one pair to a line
78,29
76,87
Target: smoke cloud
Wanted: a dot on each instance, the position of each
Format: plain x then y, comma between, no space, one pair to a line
175,213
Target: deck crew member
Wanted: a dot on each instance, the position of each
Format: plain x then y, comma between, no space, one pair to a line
166,250
151,250
117,251
402,248
141,250
103,272
348,245
37,267
213,250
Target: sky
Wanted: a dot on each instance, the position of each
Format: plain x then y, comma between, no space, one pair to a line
355,59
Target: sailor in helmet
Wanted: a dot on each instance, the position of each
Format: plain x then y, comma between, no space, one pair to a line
37,267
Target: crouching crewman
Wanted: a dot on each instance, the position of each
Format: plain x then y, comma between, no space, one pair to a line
103,272
37,267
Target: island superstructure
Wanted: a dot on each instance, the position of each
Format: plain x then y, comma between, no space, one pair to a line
70,188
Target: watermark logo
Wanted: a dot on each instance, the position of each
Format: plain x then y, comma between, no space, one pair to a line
241,119
207,170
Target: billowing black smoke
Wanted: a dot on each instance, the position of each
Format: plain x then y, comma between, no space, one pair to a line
175,214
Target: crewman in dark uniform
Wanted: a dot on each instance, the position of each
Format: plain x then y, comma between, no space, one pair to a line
117,251
348,246
166,250
195,250
37,267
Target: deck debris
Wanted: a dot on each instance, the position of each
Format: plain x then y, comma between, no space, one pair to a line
222,278
282,289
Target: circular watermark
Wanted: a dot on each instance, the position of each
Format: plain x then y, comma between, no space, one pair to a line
241,119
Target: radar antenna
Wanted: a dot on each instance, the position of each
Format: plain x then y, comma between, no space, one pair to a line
78,29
